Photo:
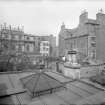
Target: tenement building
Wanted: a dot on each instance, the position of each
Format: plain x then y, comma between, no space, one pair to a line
44,48
88,39
52,44
15,40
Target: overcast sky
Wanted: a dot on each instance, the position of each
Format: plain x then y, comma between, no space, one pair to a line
44,17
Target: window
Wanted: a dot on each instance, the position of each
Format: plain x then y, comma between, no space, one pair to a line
20,37
44,48
6,35
13,37
93,38
94,54
47,49
13,47
28,38
47,44
93,44
74,44
20,47
28,47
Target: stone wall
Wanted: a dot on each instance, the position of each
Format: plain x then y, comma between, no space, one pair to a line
94,45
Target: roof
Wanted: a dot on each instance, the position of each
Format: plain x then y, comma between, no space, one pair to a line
96,99
72,52
99,80
74,37
91,21
74,91
40,82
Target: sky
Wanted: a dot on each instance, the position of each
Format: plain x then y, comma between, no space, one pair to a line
45,17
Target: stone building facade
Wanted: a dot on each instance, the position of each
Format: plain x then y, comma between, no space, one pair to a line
15,40
79,44
88,39
44,48
52,44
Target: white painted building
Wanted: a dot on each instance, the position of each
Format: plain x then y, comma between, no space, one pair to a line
45,48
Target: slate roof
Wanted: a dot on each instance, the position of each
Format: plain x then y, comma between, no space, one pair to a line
92,21
100,80
74,92
41,82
